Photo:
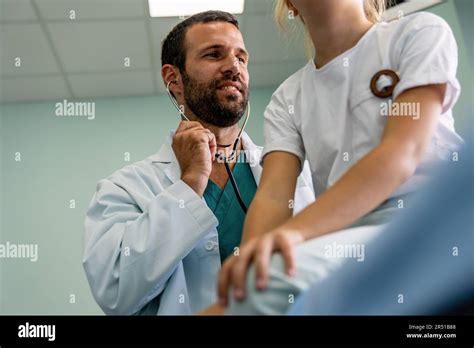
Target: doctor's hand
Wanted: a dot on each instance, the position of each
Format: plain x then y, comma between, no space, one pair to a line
195,148
259,251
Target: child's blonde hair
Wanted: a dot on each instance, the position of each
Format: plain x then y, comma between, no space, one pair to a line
373,10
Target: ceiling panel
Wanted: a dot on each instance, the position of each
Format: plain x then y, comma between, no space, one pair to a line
109,85
16,10
258,6
91,9
91,49
19,89
101,46
259,29
28,42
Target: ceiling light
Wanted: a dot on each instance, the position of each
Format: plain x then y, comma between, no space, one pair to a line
180,8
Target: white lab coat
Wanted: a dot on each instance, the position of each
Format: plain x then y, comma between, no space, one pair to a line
147,234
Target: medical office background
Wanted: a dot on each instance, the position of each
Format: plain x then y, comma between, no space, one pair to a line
44,196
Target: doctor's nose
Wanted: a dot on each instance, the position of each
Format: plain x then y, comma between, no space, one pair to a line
231,66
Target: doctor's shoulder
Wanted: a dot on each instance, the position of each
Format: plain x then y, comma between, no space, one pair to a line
138,176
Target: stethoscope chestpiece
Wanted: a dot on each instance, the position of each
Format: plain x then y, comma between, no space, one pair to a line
386,91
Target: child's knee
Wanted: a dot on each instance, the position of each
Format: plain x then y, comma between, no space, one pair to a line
275,299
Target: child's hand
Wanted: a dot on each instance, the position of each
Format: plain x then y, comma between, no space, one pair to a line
258,250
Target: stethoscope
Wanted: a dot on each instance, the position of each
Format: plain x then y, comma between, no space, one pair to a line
220,156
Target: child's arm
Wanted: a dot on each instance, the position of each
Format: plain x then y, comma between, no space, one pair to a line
271,206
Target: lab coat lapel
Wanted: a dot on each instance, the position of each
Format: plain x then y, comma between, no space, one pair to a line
253,153
166,155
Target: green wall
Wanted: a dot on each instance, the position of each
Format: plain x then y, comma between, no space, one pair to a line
463,33
62,158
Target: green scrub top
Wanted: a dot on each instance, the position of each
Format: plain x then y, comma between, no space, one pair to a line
226,207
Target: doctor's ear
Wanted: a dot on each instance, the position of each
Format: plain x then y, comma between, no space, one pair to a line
170,74
171,78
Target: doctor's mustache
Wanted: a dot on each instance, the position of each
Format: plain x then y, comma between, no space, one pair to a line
235,80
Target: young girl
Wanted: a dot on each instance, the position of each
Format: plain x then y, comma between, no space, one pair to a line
372,115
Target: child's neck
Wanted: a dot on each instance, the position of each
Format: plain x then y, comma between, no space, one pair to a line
335,31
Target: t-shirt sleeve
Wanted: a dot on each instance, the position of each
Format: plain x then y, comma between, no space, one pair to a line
429,55
280,130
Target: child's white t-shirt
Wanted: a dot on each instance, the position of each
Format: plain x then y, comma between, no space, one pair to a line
331,117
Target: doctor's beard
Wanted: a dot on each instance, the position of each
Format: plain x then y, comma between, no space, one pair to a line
204,102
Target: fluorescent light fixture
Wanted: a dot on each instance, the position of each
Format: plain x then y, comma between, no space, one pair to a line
177,8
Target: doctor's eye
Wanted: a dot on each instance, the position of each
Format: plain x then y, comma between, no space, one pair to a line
212,55
242,60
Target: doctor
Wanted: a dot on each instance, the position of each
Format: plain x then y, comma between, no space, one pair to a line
157,231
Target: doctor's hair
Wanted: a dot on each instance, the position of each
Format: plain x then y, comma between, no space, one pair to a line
173,50
373,11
